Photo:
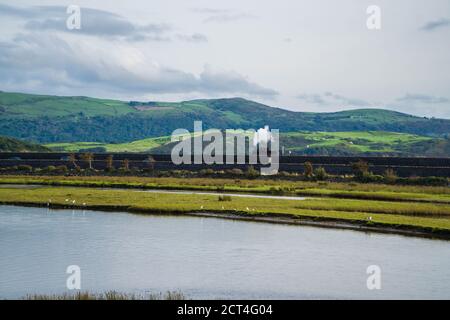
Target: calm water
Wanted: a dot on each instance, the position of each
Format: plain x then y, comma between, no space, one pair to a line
210,258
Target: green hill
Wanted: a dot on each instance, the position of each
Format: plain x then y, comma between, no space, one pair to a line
72,119
376,143
14,145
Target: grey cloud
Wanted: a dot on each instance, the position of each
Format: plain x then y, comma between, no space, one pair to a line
332,99
94,22
312,98
329,98
98,23
436,24
48,62
15,11
30,12
422,98
229,82
346,100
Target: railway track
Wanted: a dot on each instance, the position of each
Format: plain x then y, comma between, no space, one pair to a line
403,166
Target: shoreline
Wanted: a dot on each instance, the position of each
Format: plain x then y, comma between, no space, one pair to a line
170,191
275,218
361,195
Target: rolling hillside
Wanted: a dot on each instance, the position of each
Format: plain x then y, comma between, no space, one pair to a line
369,143
14,145
72,119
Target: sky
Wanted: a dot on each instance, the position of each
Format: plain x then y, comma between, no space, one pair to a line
317,56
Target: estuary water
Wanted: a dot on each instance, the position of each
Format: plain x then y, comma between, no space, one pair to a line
211,258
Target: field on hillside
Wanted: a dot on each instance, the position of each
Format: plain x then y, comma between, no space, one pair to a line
357,142
144,145
14,145
51,119
327,143
21,105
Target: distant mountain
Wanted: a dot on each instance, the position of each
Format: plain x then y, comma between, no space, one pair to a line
14,145
70,119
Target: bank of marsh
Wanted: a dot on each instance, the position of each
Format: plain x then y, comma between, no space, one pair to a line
427,217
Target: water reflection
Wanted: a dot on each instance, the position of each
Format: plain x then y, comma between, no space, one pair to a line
210,258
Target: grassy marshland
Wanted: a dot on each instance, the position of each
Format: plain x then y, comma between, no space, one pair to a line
433,218
366,191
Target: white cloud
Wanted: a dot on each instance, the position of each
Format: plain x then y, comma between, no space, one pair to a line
289,45
94,22
47,61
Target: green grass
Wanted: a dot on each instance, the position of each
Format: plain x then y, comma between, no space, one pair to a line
427,208
15,145
73,146
135,146
380,192
50,119
359,142
356,141
432,218
18,104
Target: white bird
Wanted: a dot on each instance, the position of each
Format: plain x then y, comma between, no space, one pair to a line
201,207
67,200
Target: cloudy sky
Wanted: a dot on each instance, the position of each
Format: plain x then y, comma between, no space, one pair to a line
299,55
